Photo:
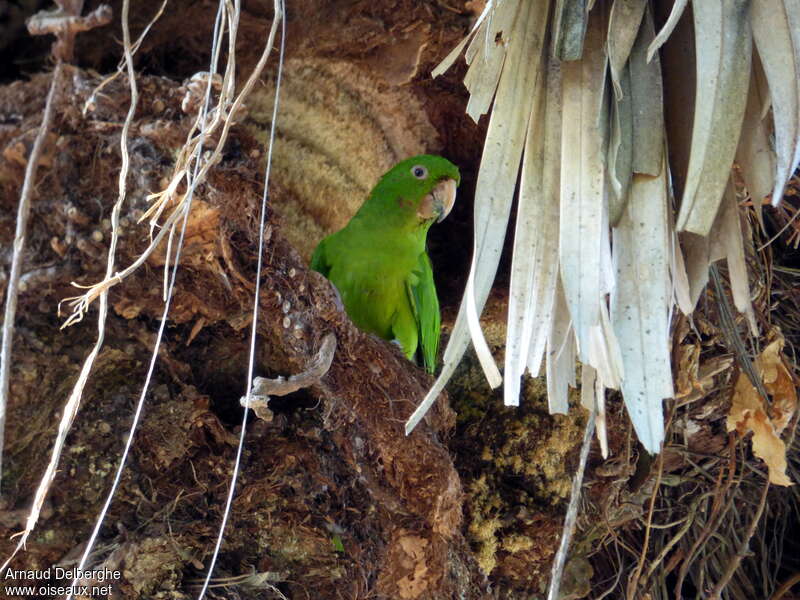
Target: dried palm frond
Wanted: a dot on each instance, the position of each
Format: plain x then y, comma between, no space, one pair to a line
582,110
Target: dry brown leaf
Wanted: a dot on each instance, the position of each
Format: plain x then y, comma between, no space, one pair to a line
16,152
769,447
748,414
779,383
413,584
694,381
744,403
688,356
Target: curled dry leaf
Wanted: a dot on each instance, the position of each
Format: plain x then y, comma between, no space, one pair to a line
779,383
200,238
694,381
748,412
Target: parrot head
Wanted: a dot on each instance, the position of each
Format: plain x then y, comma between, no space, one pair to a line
421,188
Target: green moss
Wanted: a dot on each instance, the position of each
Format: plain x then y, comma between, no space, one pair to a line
517,543
516,464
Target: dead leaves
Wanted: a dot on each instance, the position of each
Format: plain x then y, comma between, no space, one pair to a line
613,131
694,382
779,383
749,412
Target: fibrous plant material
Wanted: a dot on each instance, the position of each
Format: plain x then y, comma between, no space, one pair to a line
221,234
405,561
613,303
65,35
12,290
377,481
613,133
65,22
749,411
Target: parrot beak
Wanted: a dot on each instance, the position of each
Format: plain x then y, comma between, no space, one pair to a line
444,196
439,202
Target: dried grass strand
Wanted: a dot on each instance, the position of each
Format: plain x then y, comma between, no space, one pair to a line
633,584
23,213
742,551
221,116
785,587
167,302
720,491
279,11
134,49
73,402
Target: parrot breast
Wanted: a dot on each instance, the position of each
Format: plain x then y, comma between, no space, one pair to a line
371,278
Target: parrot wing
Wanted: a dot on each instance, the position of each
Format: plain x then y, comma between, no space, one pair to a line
425,304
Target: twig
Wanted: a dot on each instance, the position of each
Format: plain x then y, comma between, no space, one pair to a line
780,232
743,548
785,587
728,326
572,512
23,212
65,23
717,512
134,48
82,303
634,581
263,387
183,211
58,22
688,522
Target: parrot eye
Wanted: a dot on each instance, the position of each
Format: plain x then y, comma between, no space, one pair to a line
419,172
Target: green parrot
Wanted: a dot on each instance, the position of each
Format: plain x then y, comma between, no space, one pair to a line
378,261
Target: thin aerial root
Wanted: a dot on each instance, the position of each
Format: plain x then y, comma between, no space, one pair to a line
279,17
744,547
23,212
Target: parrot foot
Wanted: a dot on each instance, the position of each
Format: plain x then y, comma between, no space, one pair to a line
258,398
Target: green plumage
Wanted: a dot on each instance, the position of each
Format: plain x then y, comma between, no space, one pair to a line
379,263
